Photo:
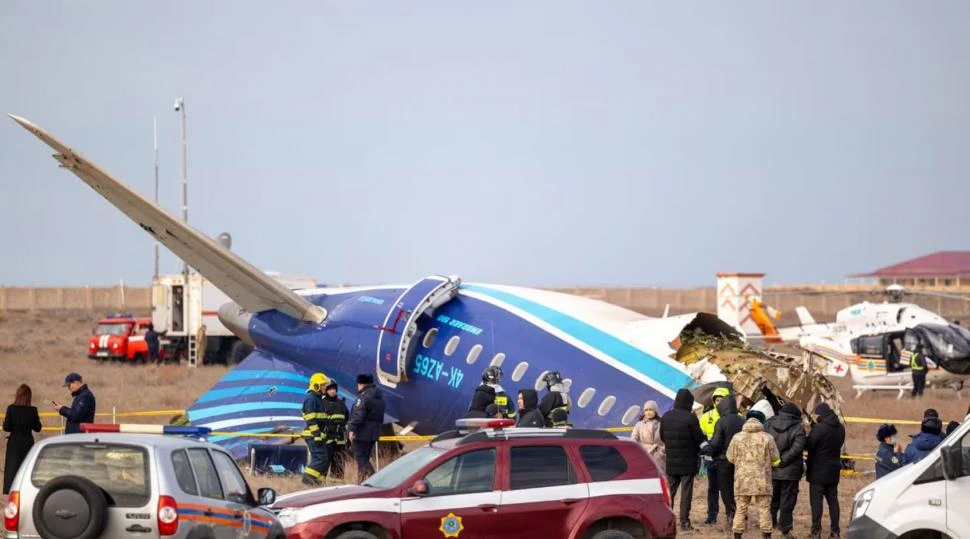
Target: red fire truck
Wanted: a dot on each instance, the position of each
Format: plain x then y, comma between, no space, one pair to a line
119,337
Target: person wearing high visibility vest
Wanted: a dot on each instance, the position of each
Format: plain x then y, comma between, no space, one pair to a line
708,420
314,436
917,364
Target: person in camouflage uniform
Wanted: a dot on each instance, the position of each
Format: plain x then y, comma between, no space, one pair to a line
753,452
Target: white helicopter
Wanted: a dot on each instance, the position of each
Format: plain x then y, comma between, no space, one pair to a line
873,342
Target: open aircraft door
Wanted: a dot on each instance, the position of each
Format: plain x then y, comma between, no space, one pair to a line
396,341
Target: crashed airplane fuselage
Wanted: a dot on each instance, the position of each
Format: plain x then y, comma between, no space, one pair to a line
426,344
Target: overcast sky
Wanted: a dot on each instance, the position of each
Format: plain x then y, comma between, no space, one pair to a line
539,143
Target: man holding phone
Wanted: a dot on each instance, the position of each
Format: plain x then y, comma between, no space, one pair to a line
82,407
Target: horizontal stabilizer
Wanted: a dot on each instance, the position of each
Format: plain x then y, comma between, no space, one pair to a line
263,395
245,284
804,317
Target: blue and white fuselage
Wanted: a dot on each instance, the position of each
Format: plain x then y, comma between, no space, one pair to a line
612,359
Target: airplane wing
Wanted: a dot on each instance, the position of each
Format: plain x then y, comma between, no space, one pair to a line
245,284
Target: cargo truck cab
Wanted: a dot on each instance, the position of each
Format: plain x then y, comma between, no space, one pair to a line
119,337
924,499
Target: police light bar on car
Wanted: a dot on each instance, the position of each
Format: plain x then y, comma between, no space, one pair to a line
134,428
484,423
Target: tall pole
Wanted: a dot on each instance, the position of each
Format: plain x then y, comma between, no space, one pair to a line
155,137
186,310
180,106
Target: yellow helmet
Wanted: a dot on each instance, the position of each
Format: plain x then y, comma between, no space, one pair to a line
721,392
318,380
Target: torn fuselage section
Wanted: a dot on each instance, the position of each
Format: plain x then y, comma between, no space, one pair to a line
754,373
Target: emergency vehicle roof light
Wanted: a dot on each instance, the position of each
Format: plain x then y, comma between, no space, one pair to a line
118,315
134,428
484,423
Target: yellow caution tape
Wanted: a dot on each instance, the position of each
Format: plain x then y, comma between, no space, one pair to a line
415,438
856,457
150,413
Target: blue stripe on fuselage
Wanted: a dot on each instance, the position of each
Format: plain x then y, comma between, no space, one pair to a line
632,357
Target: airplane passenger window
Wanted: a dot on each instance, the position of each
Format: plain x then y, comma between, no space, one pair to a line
452,345
606,405
429,337
539,382
519,371
473,354
567,384
497,360
631,415
585,397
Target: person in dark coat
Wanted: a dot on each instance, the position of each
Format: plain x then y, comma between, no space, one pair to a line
313,435
481,398
824,464
728,424
21,419
555,399
364,426
335,429
930,436
82,407
786,429
681,433
152,341
889,456
529,414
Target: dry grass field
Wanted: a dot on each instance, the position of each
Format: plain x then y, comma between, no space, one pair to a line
39,348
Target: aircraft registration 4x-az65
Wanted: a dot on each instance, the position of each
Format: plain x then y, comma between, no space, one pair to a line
428,343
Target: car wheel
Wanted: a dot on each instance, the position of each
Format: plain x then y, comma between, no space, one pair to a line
70,507
357,534
612,534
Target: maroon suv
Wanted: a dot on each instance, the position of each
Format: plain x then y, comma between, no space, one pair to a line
496,482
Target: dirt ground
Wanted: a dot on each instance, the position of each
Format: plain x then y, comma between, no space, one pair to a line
40,348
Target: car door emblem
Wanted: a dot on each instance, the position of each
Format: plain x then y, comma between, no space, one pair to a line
451,525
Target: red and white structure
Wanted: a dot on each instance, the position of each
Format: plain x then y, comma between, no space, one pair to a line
733,307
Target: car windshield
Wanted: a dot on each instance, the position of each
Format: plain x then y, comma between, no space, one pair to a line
120,470
111,329
399,470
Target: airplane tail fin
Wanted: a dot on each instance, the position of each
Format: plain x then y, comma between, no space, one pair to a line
262,396
245,284
804,316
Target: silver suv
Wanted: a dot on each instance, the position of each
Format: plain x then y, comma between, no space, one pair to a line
84,486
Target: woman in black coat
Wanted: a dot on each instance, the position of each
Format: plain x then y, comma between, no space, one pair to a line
824,465
21,418
681,433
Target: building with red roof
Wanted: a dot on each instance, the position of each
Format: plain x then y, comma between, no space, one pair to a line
943,268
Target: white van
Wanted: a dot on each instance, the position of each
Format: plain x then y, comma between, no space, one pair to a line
930,498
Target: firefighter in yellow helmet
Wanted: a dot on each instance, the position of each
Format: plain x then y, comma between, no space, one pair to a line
708,420
314,435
